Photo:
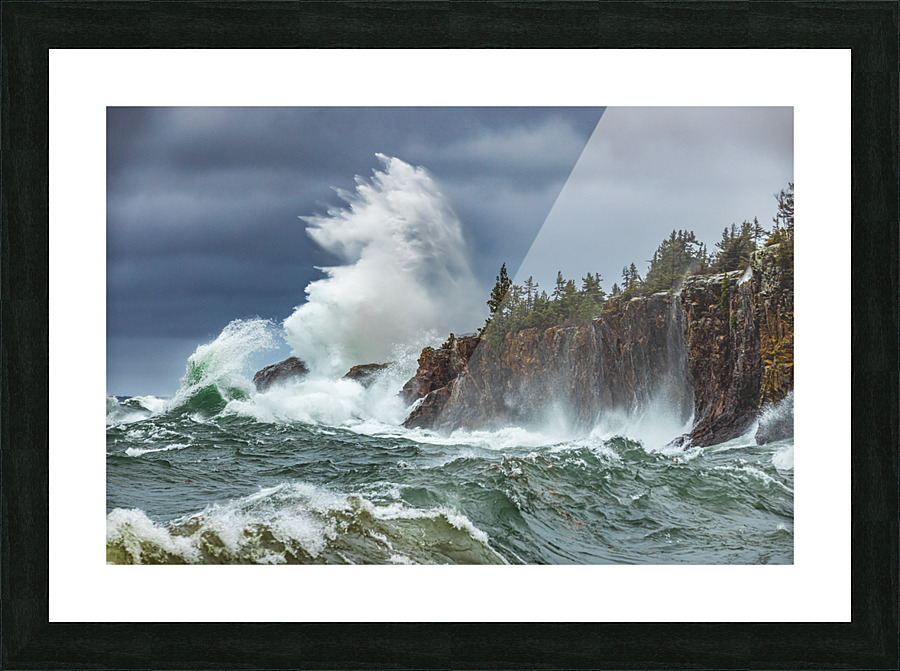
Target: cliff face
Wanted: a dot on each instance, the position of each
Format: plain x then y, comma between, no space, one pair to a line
724,351
620,362
740,345
775,316
716,351
438,368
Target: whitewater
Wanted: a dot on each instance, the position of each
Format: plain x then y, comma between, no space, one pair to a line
321,470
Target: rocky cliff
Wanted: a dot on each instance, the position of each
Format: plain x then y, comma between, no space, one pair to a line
716,351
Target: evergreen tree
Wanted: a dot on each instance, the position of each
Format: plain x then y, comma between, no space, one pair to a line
784,217
530,291
560,284
758,232
590,286
498,295
735,247
702,259
783,233
676,256
631,280
501,288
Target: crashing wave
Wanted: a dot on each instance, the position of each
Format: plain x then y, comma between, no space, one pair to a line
216,372
776,422
299,523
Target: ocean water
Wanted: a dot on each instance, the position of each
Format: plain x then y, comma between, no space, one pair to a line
321,472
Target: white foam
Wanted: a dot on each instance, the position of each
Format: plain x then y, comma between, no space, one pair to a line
126,413
131,527
297,514
501,439
328,402
400,559
138,451
152,403
405,271
755,473
599,447
739,443
654,427
783,459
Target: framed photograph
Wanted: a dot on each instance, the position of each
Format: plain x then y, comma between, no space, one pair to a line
446,392
527,327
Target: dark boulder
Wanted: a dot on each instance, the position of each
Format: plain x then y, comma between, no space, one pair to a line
365,373
290,369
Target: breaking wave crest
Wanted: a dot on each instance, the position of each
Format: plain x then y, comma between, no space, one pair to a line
217,372
299,523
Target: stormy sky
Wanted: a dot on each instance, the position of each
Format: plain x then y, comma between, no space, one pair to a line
203,204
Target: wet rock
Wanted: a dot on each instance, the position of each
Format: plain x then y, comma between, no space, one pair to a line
742,351
438,368
719,350
619,362
364,373
290,369
724,355
775,315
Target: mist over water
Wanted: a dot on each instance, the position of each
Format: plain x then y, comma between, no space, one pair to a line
405,272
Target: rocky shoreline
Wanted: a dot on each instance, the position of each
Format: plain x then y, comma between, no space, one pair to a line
719,350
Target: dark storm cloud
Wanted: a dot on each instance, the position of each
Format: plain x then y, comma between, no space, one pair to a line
203,203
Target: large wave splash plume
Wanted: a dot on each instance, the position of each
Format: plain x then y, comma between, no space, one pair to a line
405,272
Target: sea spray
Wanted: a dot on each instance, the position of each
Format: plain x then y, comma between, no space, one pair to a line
370,406
405,272
776,421
217,371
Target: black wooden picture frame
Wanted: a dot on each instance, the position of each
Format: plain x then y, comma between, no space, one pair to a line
31,29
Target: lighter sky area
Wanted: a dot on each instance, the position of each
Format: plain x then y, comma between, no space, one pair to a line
647,171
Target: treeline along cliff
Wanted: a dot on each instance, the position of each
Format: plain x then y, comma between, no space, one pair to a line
710,355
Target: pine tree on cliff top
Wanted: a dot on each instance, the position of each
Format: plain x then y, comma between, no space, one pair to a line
783,233
498,295
759,233
675,257
735,247
591,287
784,218
531,288
560,286
631,279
